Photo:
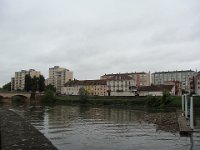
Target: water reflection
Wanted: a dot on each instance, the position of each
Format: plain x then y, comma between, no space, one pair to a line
81,127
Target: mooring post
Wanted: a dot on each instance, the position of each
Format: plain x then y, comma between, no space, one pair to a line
183,99
191,113
186,106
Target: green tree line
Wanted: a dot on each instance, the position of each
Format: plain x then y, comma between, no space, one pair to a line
34,84
7,87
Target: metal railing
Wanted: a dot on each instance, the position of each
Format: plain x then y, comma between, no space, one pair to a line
187,108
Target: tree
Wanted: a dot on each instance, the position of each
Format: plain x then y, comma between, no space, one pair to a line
50,87
34,84
27,86
166,98
41,83
83,94
7,87
49,96
155,101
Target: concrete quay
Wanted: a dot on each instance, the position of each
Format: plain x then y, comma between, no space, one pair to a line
18,134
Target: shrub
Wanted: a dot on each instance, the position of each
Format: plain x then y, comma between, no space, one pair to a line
49,96
166,98
83,95
153,101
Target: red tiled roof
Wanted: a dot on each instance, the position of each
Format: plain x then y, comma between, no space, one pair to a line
85,82
129,73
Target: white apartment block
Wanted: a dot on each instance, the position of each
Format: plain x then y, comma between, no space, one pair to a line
34,73
18,82
47,81
120,85
159,78
58,77
138,78
12,83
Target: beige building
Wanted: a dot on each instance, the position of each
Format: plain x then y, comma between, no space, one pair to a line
18,82
121,85
138,78
12,83
34,73
58,77
93,87
47,81
156,90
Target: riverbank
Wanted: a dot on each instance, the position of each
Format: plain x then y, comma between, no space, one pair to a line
102,100
16,133
115,100
165,121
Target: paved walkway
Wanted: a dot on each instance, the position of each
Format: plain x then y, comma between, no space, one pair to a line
17,134
184,126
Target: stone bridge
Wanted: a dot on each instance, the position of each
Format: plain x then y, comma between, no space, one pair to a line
9,95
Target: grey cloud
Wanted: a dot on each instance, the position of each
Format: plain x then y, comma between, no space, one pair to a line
96,37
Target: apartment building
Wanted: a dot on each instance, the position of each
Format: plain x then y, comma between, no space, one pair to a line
177,85
18,82
138,78
47,81
121,85
192,84
58,77
34,73
93,87
197,84
182,76
12,83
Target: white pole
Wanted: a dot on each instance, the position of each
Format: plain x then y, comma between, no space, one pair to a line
191,113
186,107
183,98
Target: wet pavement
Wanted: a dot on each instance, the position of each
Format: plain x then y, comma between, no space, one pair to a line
18,134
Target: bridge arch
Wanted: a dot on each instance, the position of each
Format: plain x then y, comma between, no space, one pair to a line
11,95
18,98
19,95
1,97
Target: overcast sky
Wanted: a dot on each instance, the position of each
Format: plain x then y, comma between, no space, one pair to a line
94,37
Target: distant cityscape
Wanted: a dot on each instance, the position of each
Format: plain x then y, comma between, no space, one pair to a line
116,84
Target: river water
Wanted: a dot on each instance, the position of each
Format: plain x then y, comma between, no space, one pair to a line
104,128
